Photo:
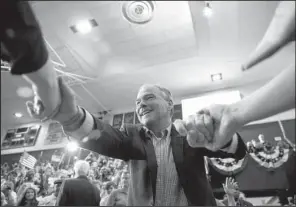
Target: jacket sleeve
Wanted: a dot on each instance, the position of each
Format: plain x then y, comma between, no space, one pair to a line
95,135
109,141
239,153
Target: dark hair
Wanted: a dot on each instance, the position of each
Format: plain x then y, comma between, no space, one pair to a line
109,184
34,201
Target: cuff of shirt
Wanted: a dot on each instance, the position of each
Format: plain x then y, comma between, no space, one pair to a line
233,146
85,129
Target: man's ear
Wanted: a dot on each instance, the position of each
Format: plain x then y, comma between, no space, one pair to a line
171,104
171,107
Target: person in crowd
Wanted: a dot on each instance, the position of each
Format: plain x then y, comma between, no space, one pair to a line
117,177
119,164
20,178
119,197
3,199
108,188
51,199
233,195
105,174
28,196
28,180
9,193
79,191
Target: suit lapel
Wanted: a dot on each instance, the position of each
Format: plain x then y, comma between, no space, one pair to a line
177,142
151,160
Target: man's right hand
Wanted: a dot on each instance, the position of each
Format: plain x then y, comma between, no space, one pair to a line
66,111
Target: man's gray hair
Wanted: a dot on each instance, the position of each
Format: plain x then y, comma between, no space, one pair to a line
81,167
166,92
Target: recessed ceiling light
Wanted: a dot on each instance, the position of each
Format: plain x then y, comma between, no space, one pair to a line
138,12
216,77
84,26
18,115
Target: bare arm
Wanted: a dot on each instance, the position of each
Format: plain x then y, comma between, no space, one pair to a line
111,199
280,31
276,96
231,201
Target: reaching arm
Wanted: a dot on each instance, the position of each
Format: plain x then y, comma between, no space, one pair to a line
280,31
276,96
111,199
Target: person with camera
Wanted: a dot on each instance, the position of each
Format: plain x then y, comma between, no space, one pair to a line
9,194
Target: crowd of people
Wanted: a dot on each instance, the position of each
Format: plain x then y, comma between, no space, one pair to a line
40,186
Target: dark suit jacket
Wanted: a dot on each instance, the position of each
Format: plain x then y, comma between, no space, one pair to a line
78,192
131,144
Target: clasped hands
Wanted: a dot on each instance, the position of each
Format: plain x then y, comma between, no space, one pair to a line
212,127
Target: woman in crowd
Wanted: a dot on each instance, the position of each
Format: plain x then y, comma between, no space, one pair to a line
28,196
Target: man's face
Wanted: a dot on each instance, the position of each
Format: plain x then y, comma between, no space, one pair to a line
151,106
125,178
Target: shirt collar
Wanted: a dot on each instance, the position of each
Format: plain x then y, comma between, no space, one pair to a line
166,132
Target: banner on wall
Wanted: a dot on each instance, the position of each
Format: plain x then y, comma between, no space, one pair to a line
228,166
129,118
117,120
55,134
271,159
177,112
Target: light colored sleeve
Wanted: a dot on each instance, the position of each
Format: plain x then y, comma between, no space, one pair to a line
85,129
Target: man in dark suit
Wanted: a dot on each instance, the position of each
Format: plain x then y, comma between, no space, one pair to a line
79,191
166,168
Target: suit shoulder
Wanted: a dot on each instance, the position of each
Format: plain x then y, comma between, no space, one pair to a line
131,129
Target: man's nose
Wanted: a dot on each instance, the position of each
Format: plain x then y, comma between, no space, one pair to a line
142,104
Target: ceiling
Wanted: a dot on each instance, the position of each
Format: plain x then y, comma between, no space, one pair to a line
179,49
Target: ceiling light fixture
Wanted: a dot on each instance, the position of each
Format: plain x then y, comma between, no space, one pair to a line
138,12
18,115
216,77
84,26
207,11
